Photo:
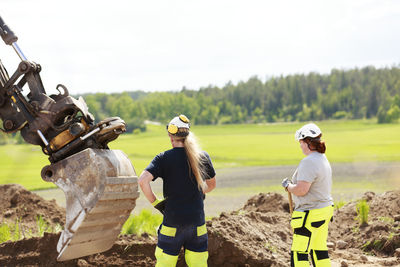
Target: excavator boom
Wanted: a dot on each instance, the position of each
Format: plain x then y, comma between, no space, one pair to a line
100,185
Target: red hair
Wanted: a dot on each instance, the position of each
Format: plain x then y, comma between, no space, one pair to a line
315,144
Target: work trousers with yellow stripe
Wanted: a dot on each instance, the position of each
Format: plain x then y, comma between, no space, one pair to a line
310,236
193,238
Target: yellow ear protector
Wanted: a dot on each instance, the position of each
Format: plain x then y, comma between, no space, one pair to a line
183,118
172,128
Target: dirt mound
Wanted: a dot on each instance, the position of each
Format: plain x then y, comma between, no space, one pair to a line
256,235
127,251
241,238
249,239
382,234
270,202
17,203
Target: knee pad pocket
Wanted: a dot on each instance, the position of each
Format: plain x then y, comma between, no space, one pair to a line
301,239
321,254
302,256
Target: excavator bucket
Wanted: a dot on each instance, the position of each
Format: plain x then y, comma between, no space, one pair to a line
101,189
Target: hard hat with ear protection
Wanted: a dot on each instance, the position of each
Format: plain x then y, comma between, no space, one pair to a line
308,130
178,122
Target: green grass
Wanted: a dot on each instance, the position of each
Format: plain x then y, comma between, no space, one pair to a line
385,219
272,144
21,164
14,231
339,204
144,222
362,209
5,232
228,146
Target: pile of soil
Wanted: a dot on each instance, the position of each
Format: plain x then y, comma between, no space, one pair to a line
256,235
379,237
127,251
19,204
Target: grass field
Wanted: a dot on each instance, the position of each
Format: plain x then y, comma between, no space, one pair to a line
229,146
272,144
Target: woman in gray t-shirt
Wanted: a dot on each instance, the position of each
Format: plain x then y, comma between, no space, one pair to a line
311,188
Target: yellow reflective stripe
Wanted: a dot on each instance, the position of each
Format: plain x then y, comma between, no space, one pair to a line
155,202
165,260
201,230
196,259
168,231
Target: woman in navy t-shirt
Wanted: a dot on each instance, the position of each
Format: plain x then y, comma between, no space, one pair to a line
187,174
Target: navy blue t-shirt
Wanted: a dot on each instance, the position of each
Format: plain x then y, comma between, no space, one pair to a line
184,204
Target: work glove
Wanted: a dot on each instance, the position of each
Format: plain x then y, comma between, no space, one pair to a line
159,204
286,182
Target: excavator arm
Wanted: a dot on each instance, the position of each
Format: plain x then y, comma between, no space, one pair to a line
100,184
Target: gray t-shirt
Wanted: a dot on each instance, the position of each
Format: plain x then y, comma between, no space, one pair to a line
315,169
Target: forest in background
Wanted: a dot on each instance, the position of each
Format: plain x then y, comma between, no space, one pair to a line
366,93
342,94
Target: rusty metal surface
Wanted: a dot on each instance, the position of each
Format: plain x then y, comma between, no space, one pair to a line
101,191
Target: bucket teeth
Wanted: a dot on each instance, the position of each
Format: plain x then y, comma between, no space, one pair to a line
101,189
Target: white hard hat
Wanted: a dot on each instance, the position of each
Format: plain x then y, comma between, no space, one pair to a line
308,130
177,122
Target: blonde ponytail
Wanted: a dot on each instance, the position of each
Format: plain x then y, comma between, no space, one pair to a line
196,159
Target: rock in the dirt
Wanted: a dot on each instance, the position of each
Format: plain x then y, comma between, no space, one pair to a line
341,244
82,263
14,199
8,213
397,253
344,263
380,227
397,218
364,258
330,245
368,196
270,202
223,215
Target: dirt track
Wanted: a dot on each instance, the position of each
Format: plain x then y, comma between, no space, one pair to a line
236,185
256,235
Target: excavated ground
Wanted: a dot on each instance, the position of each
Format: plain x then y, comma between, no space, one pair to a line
256,235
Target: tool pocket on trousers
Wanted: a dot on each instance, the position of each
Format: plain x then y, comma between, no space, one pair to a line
298,219
201,230
317,224
168,231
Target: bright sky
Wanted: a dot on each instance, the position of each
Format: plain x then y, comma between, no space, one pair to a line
157,45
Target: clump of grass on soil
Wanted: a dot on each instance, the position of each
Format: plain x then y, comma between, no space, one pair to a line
362,209
15,231
144,222
339,204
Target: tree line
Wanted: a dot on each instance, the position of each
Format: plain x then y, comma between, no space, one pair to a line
358,93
